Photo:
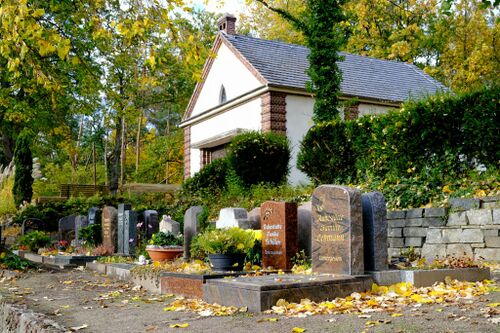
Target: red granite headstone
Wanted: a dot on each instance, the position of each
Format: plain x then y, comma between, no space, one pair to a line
279,234
109,226
337,230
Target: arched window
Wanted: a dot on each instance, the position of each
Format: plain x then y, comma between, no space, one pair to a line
222,95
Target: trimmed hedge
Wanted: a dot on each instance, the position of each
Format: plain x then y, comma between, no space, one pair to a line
260,157
211,178
436,138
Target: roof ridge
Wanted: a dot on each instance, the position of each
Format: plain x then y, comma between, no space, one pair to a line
426,76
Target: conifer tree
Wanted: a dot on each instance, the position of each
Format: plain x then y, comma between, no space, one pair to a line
23,180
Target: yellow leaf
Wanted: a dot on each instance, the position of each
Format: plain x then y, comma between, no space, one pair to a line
396,315
179,325
494,305
170,308
298,330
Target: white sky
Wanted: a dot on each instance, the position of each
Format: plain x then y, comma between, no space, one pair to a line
224,6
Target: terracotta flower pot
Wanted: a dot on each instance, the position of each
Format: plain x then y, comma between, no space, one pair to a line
166,254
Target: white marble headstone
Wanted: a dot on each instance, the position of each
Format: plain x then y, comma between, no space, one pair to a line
233,217
169,225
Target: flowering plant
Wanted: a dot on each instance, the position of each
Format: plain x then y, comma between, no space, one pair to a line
165,240
226,241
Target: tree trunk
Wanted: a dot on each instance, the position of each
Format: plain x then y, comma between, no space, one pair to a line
138,145
115,158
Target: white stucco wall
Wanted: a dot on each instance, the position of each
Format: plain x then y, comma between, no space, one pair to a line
299,110
245,116
365,109
229,71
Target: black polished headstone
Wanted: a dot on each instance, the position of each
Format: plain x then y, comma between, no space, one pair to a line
375,231
151,224
94,216
80,222
67,228
191,227
129,232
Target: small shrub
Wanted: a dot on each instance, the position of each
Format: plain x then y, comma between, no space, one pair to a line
34,240
260,158
9,260
91,235
225,241
211,179
166,239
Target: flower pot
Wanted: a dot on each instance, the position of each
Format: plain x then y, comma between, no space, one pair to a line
166,254
227,262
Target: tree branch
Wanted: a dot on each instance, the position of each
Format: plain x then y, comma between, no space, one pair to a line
286,15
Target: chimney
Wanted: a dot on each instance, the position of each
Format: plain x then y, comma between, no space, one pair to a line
227,23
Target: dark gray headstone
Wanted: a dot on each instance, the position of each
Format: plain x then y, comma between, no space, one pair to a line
375,231
67,228
191,227
304,219
121,221
94,215
254,218
80,222
129,232
337,230
151,223
109,227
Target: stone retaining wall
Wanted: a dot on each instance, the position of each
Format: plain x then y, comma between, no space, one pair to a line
469,226
18,319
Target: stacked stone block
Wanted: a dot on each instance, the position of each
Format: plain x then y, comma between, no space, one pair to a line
469,227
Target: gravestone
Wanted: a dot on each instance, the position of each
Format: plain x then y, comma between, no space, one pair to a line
169,225
109,226
150,222
129,232
233,217
94,215
254,218
122,208
375,231
337,230
304,220
80,222
191,227
279,234
66,228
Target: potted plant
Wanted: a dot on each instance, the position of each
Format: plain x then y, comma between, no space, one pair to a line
165,246
226,248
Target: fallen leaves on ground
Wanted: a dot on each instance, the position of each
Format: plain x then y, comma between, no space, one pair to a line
179,325
387,298
77,328
202,308
298,330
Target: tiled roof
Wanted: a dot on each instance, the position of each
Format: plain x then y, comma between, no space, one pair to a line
285,65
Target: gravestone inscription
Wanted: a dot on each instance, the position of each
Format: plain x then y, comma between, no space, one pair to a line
337,230
375,231
129,232
279,234
109,227
122,208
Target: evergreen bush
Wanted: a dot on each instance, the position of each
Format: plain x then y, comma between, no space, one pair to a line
417,150
23,180
260,157
211,179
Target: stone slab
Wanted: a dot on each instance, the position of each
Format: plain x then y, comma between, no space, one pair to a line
337,230
189,285
435,212
386,278
480,216
109,226
260,293
119,271
233,217
96,266
396,214
424,278
33,257
492,254
279,234
374,231
68,260
414,213
464,204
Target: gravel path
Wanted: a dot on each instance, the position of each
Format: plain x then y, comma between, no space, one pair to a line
78,298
